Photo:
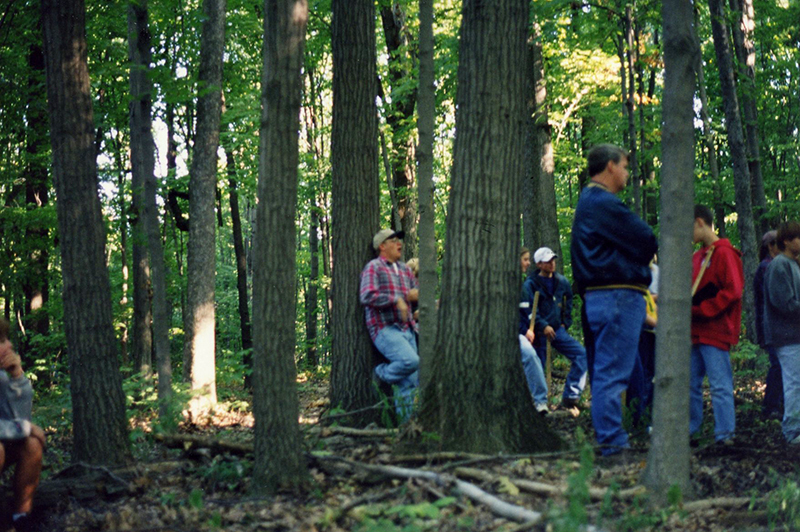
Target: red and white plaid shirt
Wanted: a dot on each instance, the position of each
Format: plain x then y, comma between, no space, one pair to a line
382,283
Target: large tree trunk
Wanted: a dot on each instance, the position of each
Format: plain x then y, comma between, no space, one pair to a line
144,192
743,26
741,172
354,160
401,112
279,460
668,459
479,401
100,433
426,125
200,338
540,216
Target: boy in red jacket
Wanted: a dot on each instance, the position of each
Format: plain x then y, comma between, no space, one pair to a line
718,281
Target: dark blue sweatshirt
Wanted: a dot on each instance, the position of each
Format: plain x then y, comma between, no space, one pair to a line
611,246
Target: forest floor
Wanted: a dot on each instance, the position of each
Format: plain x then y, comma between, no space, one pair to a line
751,485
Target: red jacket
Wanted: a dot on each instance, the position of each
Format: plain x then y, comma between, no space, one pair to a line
717,303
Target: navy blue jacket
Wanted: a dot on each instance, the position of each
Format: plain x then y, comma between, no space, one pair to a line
611,245
555,308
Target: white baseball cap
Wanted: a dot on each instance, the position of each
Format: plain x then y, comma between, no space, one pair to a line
544,255
383,235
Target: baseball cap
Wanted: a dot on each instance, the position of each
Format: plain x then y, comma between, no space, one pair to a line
383,235
544,255
769,237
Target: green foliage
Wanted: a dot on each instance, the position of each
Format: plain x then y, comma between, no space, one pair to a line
574,517
401,518
783,506
225,473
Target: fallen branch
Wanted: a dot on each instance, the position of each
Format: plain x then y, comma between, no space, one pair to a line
496,505
547,490
350,431
189,441
437,457
720,502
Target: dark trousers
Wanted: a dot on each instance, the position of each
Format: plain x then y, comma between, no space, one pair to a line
773,396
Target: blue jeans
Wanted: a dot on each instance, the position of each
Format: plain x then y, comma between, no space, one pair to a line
575,353
533,371
615,318
400,349
715,363
789,356
773,395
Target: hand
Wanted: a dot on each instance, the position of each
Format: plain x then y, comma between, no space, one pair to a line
412,295
550,333
9,360
402,306
416,315
530,335
38,433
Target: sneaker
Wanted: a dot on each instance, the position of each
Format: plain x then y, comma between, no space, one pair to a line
569,403
542,409
795,440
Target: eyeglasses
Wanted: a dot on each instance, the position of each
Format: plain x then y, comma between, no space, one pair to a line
393,240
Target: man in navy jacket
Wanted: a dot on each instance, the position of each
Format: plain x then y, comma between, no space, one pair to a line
611,252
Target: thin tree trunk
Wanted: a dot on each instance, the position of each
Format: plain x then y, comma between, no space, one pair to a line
711,150
202,229
741,172
241,265
633,157
354,160
279,460
99,427
668,458
401,112
426,125
35,284
142,163
479,401
743,26
143,166
311,306
542,214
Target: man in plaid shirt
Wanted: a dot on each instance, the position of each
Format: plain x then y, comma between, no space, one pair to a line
388,288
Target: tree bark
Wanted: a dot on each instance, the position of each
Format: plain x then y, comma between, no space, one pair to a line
241,265
146,190
633,158
668,458
354,161
399,117
743,26
279,461
35,284
479,401
710,144
201,259
540,215
426,125
312,292
741,172
98,403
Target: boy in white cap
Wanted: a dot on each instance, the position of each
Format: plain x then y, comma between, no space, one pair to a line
553,319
